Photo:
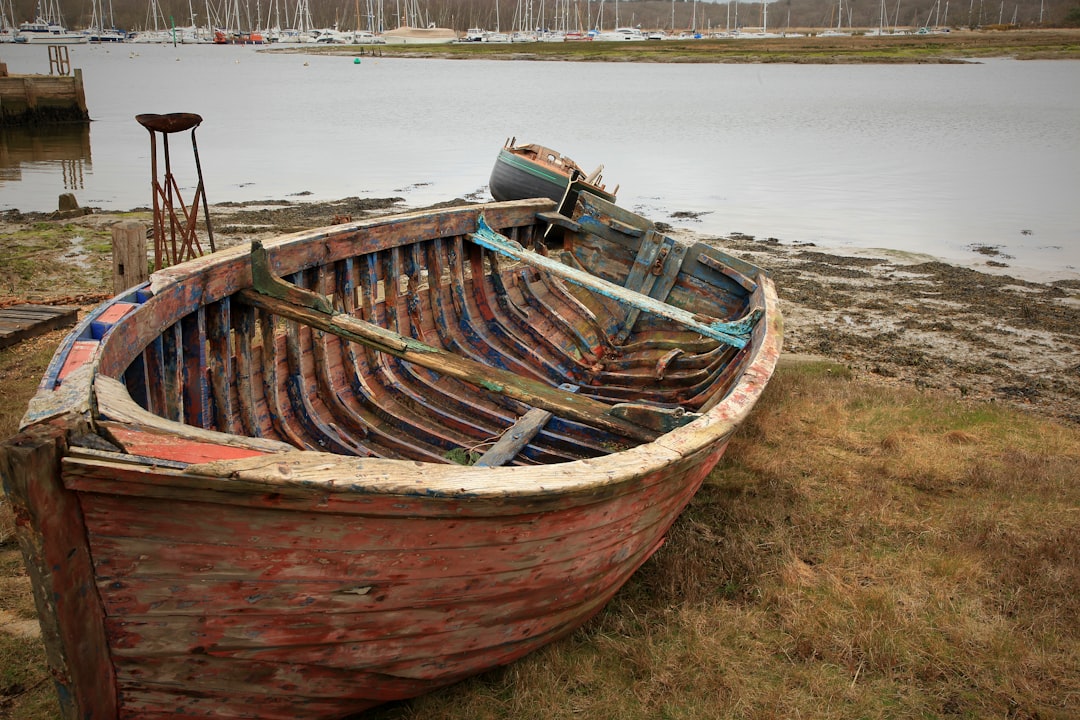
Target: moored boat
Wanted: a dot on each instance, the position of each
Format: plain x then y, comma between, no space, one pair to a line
621,34
237,486
44,32
530,170
406,35
238,37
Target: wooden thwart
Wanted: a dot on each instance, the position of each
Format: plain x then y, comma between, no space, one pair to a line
514,439
518,435
286,300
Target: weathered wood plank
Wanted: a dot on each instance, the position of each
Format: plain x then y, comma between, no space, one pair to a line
167,446
301,481
232,678
518,435
372,526
20,322
514,439
130,266
144,701
366,640
114,404
548,547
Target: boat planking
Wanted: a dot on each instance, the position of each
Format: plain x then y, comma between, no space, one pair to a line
236,490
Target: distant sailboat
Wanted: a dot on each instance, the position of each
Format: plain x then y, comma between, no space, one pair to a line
839,23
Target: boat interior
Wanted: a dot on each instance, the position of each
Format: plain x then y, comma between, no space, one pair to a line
598,367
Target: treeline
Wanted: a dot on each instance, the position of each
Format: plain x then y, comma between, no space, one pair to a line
576,14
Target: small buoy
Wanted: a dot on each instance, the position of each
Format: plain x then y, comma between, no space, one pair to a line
356,61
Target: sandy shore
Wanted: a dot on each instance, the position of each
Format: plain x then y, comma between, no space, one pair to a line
896,319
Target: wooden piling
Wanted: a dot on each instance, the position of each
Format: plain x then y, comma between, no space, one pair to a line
129,255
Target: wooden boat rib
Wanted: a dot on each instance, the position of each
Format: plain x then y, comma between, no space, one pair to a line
236,486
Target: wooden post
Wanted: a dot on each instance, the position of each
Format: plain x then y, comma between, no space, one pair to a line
80,93
129,255
31,93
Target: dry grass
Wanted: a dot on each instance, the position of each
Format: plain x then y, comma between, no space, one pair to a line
21,368
863,551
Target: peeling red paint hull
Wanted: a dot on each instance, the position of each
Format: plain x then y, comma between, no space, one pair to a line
226,513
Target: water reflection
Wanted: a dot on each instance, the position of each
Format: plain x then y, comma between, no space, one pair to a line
55,149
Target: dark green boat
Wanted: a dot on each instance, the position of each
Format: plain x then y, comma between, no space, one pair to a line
533,171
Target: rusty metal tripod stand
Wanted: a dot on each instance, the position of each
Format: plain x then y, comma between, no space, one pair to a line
180,242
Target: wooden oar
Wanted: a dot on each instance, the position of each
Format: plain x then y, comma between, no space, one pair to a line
284,299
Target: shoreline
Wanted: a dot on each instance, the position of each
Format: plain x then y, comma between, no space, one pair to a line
894,317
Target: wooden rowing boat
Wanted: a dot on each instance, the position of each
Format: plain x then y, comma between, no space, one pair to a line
236,489
531,170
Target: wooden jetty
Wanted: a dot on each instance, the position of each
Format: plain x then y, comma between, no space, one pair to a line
39,99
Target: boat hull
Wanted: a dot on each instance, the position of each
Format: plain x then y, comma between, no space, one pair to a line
419,36
514,177
533,171
31,38
243,516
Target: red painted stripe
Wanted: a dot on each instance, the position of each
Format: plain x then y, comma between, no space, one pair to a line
81,352
115,312
169,447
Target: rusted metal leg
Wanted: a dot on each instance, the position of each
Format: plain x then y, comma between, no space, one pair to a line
202,191
182,242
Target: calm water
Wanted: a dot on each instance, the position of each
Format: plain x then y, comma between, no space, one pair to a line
920,158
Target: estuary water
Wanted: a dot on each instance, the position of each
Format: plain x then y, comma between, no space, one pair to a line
938,159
